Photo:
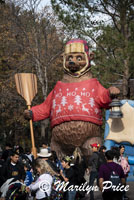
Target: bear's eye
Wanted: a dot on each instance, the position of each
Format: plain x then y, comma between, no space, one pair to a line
70,58
79,58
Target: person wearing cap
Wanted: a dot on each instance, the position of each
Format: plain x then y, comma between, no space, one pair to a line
45,145
93,162
46,155
68,175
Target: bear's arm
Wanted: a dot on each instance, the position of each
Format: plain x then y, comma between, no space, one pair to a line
103,97
42,111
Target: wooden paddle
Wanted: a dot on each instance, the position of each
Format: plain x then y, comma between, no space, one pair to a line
26,84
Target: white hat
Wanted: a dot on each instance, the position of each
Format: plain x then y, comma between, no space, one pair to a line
44,153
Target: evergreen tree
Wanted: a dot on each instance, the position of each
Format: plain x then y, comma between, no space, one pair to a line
77,100
64,101
108,25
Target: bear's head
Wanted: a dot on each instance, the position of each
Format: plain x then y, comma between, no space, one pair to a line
76,60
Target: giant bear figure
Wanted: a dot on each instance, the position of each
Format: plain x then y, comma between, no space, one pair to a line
74,105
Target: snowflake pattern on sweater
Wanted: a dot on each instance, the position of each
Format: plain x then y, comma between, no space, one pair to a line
74,101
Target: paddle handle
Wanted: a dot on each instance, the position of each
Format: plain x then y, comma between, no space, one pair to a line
34,151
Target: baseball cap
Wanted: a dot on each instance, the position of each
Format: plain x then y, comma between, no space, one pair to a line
67,159
95,145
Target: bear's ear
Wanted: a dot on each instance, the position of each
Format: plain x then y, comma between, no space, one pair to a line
91,55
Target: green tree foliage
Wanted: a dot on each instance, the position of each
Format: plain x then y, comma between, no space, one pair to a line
29,42
108,26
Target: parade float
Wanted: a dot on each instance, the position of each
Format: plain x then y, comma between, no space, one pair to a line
74,105
120,131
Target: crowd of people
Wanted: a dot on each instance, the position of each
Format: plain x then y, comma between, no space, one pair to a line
47,177
110,166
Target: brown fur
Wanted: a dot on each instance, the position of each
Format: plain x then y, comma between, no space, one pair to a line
70,79
69,135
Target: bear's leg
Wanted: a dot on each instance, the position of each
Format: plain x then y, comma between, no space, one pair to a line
61,149
55,146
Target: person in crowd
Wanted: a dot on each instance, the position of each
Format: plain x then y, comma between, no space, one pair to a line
12,168
122,150
120,159
56,161
102,158
45,146
46,155
29,177
68,175
23,158
29,154
123,161
18,149
6,153
45,178
79,165
116,152
29,157
93,162
105,173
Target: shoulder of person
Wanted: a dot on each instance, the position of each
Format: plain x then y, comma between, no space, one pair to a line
70,169
73,168
20,165
45,176
96,154
103,167
29,173
124,159
108,165
116,166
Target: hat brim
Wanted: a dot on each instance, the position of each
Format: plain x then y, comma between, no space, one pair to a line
44,156
94,146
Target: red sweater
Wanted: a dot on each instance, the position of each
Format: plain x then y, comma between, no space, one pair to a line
74,101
